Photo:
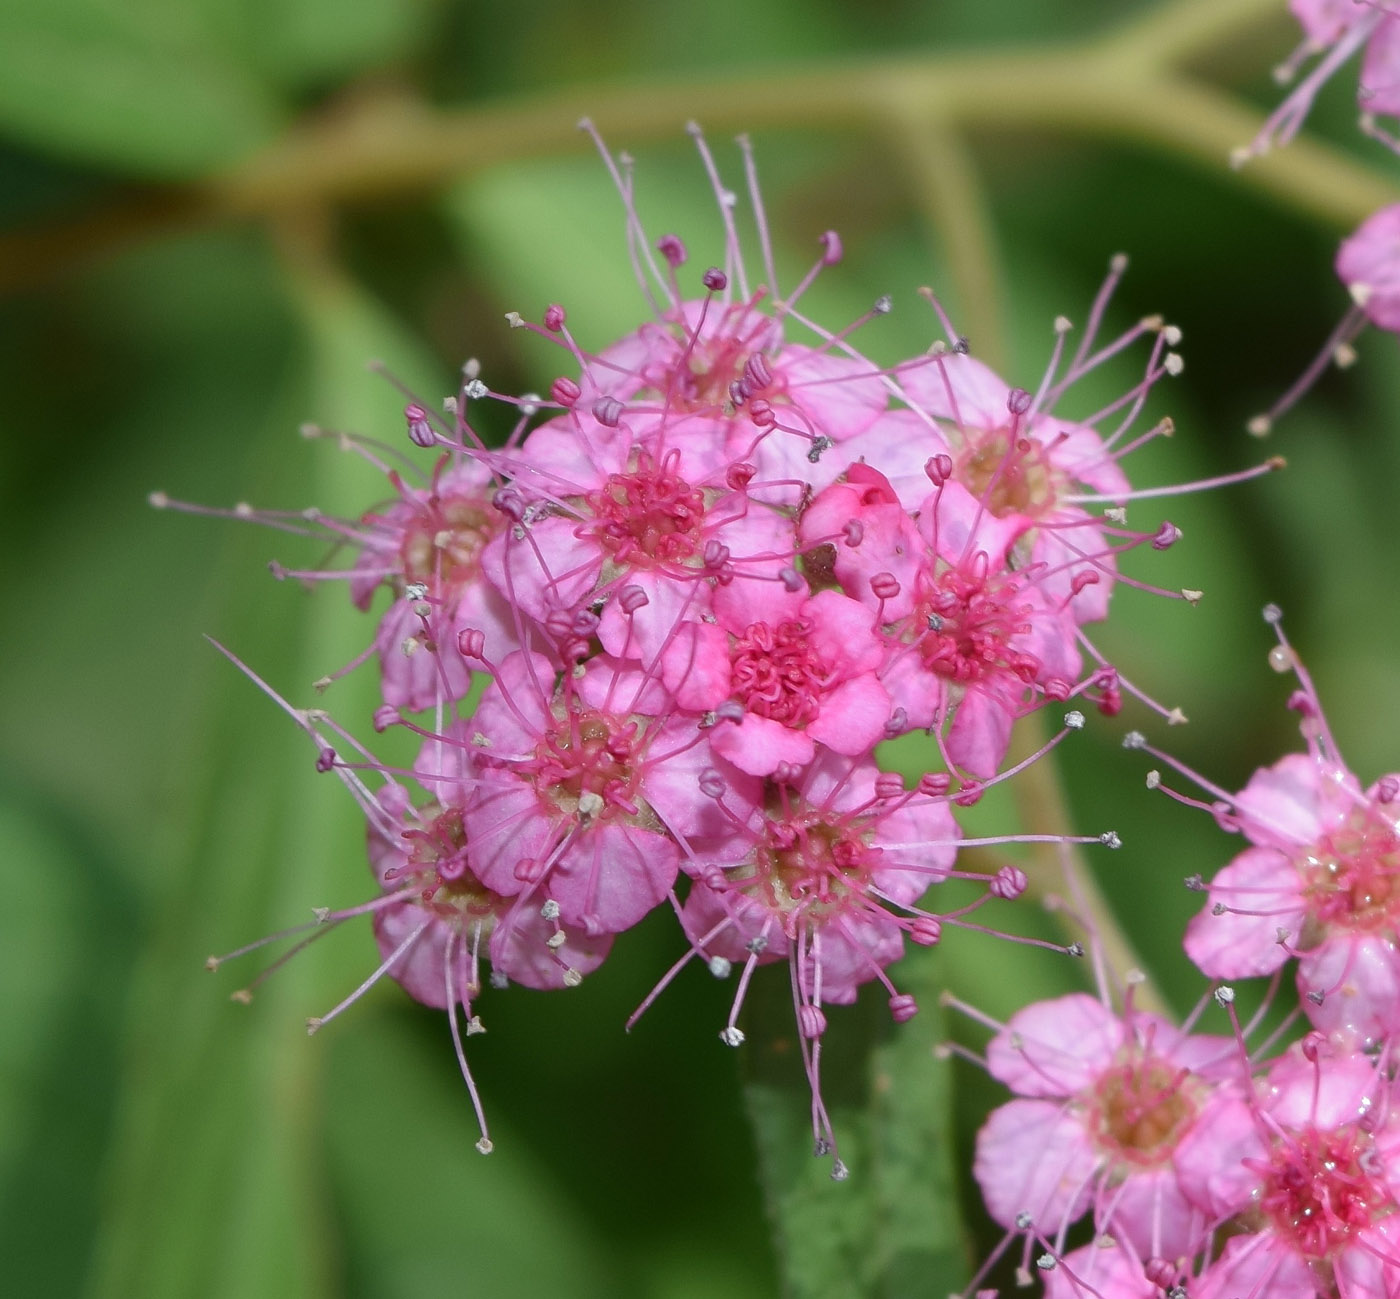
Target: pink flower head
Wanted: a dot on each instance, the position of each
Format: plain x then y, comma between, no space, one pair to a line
585,782
801,669
832,866
976,644
1107,1100
1026,470
435,920
1321,879
633,530
1300,1176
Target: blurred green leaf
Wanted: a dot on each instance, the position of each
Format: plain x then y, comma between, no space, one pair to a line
138,84
216,1185
423,1212
68,934
892,1230
299,42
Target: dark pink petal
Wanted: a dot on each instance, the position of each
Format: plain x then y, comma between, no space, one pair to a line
1064,1045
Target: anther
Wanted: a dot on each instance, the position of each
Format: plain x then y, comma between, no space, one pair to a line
732,1036
820,445
632,598
884,304
926,931
385,716
471,642
325,760
719,967
903,1007
672,249
1110,839
714,279
420,432
831,248
1009,882
1074,719
1167,535
607,411
1224,995
884,586
565,391
554,317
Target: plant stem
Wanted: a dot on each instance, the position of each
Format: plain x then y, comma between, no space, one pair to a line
1118,87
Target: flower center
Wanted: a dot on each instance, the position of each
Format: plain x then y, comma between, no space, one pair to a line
1142,1109
442,545
437,860
971,620
585,764
1352,874
1009,477
776,674
808,866
649,514
1322,1187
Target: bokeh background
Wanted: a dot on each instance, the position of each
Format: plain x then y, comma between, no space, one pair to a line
176,305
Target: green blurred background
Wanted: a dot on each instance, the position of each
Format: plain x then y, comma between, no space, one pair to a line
176,304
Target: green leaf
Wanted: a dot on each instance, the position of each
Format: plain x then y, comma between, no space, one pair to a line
422,1209
216,1185
299,42
892,1229
143,84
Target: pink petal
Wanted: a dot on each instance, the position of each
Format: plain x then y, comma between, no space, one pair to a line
1033,1157
1065,1044
758,744
853,716
695,666
1358,976
1232,945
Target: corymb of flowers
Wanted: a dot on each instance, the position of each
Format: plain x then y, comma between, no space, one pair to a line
652,641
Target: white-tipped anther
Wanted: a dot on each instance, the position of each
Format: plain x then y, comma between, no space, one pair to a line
549,909
158,500
1110,839
732,1036
322,914
1074,719
1225,995
1260,426
719,966
485,1146
1176,718
1191,595
1173,364
1063,324
572,978
1154,779
1135,740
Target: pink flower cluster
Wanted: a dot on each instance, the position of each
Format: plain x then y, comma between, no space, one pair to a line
1211,1169
651,644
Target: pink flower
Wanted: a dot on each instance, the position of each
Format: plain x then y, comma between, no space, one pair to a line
979,644
802,668
1321,879
1025,469
1108,1100
1302,1174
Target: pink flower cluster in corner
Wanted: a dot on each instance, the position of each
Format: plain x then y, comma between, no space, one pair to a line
1333,31
1212,1169
651,643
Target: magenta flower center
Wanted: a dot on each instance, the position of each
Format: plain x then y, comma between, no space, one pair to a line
442,545
775,673
971,621
1352,874
1009,477
585,764
649,514
1142,1109
1321,1188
